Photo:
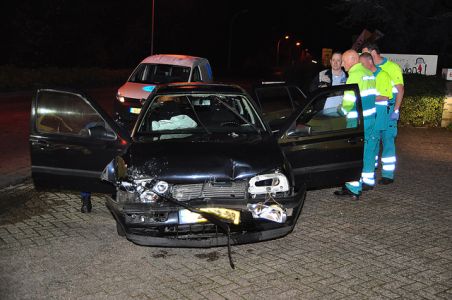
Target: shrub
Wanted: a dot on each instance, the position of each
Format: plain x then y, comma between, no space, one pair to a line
423,101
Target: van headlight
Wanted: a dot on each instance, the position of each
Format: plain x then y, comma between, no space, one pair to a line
268,184
120,98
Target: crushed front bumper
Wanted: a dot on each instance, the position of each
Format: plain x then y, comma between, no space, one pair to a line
159,226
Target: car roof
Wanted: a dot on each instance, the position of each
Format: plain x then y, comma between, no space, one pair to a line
174,59
196,87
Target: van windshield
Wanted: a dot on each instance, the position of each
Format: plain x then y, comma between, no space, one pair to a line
159,73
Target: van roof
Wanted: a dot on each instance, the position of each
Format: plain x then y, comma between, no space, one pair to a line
198,87
174,59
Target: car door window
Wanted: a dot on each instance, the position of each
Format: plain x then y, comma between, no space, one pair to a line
299,98
69,114
326,114
196,77
275,102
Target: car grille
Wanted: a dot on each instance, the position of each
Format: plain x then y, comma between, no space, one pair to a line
190,232
185,192
185,232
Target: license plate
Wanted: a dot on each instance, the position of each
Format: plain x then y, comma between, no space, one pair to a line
189,217
135,110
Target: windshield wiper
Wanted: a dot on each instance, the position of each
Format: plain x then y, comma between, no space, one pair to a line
209,217
197,117
237,114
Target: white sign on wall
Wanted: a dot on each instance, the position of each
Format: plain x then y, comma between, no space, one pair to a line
447,74
415,63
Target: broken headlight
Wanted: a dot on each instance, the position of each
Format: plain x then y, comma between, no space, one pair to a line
267,187
149,197
274,184
141,191
161,187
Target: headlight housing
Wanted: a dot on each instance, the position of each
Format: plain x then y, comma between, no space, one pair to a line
141,191
161,187
268,184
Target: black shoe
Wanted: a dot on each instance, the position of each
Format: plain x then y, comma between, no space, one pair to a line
345,192
385,181
367,187
86,205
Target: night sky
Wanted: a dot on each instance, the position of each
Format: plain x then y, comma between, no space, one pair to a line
116,34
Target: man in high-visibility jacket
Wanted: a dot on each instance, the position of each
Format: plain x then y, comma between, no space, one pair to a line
388,157
384,93
358,74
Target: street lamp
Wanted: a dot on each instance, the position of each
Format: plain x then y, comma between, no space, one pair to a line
298,51
277,48
234,17
152,30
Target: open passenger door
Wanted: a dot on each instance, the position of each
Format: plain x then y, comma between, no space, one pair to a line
323,144
71,141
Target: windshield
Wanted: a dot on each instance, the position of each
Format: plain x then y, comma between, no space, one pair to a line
203,113
155,73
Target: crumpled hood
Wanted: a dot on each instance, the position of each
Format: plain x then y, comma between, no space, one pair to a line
188,161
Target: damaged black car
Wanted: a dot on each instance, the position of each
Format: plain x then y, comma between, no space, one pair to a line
205,164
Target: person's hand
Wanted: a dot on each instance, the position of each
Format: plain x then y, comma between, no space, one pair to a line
395,115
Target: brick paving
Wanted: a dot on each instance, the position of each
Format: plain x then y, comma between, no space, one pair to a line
396,243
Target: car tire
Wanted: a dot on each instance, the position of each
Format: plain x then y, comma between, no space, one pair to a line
120,230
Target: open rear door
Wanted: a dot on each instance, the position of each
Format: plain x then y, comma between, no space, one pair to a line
71,141
324,145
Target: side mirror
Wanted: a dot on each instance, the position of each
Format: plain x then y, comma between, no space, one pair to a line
115,170
100,132
300,130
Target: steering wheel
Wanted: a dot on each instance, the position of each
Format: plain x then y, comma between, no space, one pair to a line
234,124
